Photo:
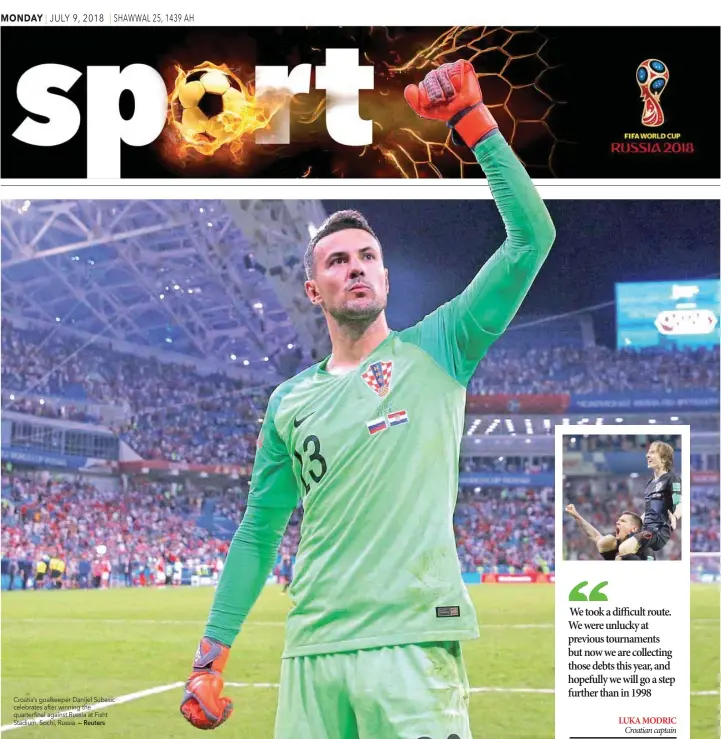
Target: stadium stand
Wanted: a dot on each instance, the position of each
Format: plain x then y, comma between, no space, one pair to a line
510,530
72,518
172,412
615,443
497,531
170,419
705,520
168,409
598,369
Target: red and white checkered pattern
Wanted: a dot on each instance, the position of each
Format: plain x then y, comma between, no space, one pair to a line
370,379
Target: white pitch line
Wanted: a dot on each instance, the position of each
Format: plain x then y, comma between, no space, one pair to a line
95,707
164,688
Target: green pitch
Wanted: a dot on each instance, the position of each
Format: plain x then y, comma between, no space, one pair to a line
121,642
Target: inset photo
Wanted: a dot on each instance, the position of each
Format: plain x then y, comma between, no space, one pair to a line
623,497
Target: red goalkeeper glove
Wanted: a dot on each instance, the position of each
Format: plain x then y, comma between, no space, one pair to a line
202,704
452,94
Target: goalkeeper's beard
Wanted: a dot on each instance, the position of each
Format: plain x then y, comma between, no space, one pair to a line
356,320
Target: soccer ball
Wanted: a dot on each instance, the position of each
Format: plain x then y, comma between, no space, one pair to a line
207,105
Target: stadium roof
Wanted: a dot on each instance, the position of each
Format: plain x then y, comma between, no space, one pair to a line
212,279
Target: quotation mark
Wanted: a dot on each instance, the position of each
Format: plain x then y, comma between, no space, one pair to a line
596,594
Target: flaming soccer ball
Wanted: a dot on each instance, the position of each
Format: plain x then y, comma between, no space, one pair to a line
208,106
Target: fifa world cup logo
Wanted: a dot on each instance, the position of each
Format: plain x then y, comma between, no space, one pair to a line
652,78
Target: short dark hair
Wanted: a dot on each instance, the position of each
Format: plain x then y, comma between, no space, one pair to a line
637,520
341,220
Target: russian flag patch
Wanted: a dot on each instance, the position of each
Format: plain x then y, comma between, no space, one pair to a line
377,425
397,418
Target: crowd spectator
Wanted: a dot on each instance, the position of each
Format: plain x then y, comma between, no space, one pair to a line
511,528
705,520
168,411
146,524
515,465
618,442
173,412
50,363
705,569
597,369
49,408
72,519
146,529
214,431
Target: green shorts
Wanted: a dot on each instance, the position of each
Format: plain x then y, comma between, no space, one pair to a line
405,692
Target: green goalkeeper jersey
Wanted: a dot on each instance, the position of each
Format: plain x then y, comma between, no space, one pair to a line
373,456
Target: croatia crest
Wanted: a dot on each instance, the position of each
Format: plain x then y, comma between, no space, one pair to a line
378,377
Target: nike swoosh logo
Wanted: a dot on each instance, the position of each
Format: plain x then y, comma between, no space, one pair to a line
297,421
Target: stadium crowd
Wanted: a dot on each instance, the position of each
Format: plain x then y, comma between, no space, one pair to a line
705,518
128,535
213,431
99,533
509,528
49,408
87,526
601,501
598,369
618,442
526,465
706,569
170,411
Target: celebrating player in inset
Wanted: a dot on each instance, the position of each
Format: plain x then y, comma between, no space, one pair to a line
627,525
663,502
369,438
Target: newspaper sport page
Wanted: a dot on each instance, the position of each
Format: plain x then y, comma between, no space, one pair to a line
360,371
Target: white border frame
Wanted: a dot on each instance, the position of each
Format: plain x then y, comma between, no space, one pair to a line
597,570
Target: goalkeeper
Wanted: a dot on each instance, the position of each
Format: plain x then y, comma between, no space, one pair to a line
369,439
